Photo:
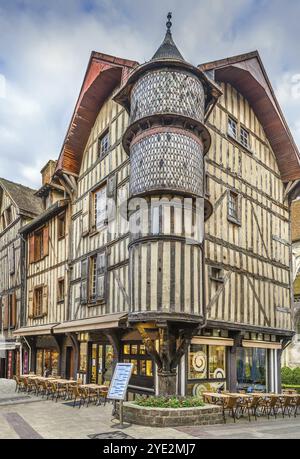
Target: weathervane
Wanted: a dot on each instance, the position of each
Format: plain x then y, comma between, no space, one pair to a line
169,23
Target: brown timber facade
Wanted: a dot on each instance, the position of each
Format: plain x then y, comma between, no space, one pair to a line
190,304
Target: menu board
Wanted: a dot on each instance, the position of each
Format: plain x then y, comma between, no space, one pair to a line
120,381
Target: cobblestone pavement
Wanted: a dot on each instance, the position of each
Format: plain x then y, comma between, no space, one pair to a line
47,419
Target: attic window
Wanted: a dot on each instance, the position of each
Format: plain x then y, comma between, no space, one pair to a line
103,144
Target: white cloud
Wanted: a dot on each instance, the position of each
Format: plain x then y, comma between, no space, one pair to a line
45,47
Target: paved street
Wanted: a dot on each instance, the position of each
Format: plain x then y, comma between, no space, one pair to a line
47,419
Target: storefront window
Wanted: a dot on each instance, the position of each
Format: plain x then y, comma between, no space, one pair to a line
142,374
252,368
206,368
47,362
83,358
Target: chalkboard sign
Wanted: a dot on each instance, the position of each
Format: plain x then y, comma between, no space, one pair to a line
120,381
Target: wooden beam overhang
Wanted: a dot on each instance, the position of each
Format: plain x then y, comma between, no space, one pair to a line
247,75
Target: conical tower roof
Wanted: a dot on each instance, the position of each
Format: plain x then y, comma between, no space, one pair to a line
168,49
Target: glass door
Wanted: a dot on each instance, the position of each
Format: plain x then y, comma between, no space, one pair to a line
101,363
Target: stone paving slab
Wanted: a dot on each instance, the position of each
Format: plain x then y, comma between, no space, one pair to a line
48,419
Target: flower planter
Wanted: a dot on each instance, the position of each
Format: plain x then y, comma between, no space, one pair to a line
172,417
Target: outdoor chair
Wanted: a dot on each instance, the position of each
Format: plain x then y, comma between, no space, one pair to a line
102,394
286,405
241,407
78,394
295,404
19,384
270,406
230,405
252,407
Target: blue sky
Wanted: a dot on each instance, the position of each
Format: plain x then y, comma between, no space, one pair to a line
45,46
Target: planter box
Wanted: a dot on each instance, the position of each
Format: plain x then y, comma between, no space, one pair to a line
172,417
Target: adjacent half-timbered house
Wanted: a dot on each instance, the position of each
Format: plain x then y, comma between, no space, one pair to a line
45,299
18,206
179,255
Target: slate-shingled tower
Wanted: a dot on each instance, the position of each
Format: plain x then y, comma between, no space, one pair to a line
167,100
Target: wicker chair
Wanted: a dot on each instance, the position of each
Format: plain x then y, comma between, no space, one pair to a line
270,406
286,405
230,405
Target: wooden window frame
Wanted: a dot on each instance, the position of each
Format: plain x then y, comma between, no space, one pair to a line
61,218
104,147
219,278
230,131
230,217
37,314
239,129
35,255
97,271
241,137
60,299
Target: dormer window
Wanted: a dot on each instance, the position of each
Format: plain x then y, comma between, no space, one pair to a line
103,144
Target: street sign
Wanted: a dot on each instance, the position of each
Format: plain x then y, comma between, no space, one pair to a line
120,381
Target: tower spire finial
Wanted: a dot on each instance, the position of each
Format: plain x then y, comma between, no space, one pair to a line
169,23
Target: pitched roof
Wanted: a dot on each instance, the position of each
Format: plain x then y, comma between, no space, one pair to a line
246,73
23,197
104,73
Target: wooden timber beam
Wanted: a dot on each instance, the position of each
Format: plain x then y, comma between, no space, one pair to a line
149,344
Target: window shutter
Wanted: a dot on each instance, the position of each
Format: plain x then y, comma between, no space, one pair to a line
5,312
31,249
46,241
112,187
30,304
13,310
86,215
11,259
45,300
100,278
84,281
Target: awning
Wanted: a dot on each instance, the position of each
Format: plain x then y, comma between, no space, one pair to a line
261,344
34,331
8,346
212,341
93,323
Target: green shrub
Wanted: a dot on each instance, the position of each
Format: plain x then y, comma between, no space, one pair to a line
287,375
169,402
290,376
296,376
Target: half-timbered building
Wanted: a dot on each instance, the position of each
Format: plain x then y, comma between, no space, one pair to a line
179,232
18,206
46,241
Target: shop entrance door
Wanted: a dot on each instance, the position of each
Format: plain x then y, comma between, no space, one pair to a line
101,363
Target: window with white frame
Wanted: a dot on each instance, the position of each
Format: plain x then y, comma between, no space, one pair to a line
244,137
233,206
100,208
103,144
232,127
